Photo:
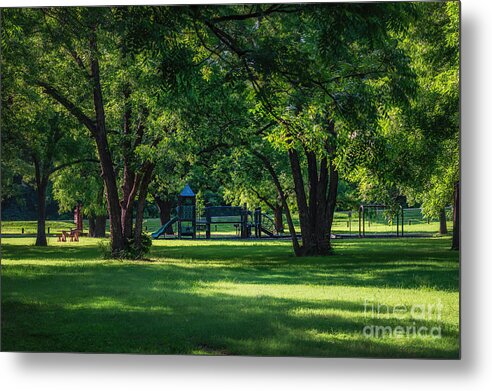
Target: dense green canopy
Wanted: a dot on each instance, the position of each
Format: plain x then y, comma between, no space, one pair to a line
297,108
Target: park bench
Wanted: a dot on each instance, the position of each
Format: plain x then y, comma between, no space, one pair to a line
62,237
73,234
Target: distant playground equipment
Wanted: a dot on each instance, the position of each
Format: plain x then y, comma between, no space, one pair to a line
378,213
239,216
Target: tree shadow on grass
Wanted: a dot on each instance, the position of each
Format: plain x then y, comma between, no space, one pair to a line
409,275
215,324
15,252
172,306
354,266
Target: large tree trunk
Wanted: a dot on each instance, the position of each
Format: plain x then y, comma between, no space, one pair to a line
456,218
313,214
443,229
317,208
165,207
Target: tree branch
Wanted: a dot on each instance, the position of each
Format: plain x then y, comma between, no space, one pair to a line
69,105
225,145
273,8
78,60
225,38
357,74
64,165
263,198
268,165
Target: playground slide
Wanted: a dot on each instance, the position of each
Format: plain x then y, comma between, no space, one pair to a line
160,231
267,231
269,227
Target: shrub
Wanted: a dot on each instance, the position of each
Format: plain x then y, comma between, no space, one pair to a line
132,250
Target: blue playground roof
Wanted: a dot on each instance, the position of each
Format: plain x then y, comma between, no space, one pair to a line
187,192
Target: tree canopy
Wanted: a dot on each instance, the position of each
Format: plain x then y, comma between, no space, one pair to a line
300,108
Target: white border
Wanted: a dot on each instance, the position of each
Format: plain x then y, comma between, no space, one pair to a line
121,372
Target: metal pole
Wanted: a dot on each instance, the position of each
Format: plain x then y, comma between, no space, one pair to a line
360,227
207,225
179,209
246,217
402,222
259,222
363,222
193,217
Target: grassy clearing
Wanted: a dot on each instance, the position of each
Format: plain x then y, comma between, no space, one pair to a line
342,224
30,227
229,297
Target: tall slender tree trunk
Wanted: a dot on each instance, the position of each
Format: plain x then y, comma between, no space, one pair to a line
268,165
142,195
41,226
118,241
302,205
165,207
443,229
456,218
331,199
92,226
100,227
114,211
99,230
130,180
41,185
278,216
127,220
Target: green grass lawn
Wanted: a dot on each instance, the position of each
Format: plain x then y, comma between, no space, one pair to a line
230,297
30,227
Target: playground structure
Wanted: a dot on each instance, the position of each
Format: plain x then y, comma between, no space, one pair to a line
377,213
188,224
370,221
377,220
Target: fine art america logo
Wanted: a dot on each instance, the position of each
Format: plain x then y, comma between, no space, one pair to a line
402,321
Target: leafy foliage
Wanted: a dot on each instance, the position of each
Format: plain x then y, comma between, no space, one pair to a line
265,103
